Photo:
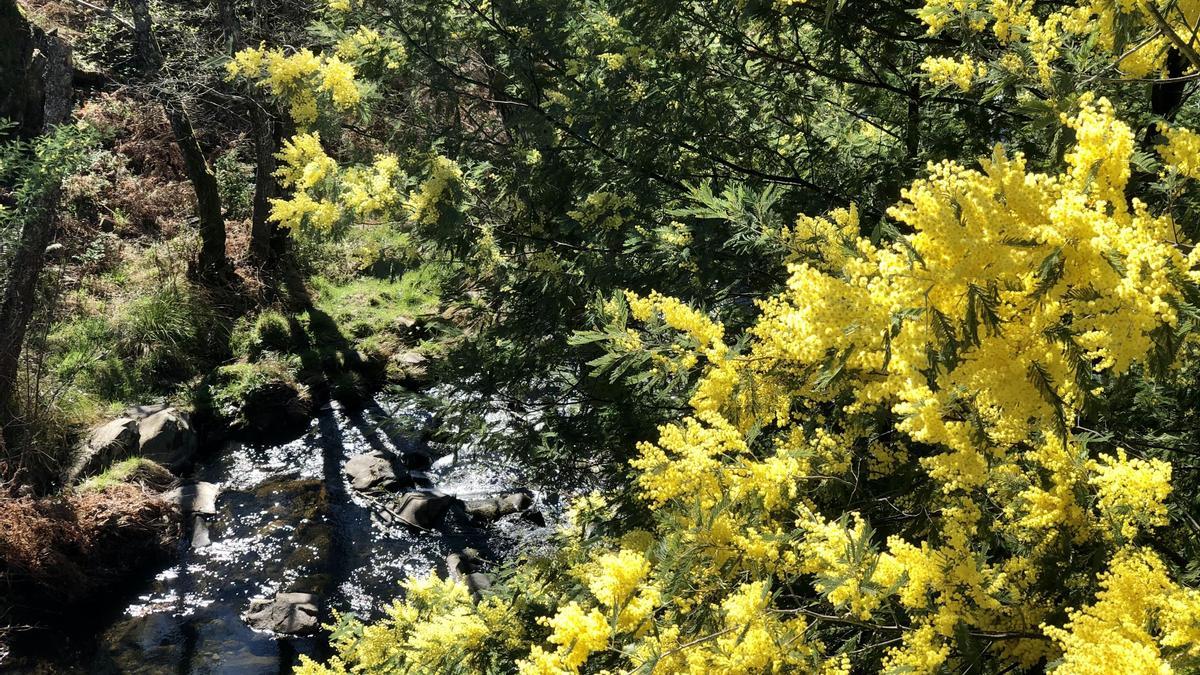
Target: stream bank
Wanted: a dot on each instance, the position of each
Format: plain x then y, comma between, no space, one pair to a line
287,521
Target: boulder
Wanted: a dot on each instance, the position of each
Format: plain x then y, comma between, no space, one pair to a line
410,368
167,437
423,510
498,507
456,314
411,328
286,613
411,357
195,498
417,460
534,517
106,444
372,472
141,412
464,566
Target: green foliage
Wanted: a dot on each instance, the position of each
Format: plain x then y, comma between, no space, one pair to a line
246,396
268,331
234,185
146,346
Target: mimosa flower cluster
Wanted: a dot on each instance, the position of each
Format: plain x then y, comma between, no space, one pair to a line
1135,36
300,80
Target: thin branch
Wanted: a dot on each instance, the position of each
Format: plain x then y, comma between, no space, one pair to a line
104,11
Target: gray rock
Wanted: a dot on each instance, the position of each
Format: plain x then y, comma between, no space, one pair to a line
200,538
410,368
167,438
410,358
464,566
141,412
195,498
372,472
106,444
498,507
423,510
286,613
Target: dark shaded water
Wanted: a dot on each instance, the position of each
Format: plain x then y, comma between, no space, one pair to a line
287,520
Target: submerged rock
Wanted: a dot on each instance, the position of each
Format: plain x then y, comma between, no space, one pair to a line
105,445
373,472
417,460
195,498
167,437
498,507
286,613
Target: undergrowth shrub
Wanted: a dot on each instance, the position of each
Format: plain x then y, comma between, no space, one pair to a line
265,396
146,347
268,331
56,552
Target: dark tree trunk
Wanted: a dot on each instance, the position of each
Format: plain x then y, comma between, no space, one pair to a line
230,25
41,65
266,188
1167,97
263,238
212,264
912,127
18,303
36,71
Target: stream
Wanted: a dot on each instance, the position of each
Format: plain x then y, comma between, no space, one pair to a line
287,520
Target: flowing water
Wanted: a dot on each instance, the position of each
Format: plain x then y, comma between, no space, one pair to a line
287,520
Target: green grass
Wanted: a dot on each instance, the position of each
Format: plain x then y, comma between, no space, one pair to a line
237,383
268,331
138,346
121,472
368,306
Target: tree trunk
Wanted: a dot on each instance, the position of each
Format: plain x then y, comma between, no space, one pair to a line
1167,97
266,188
18,303
212,264
912,127
35,73
263,240
42,63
